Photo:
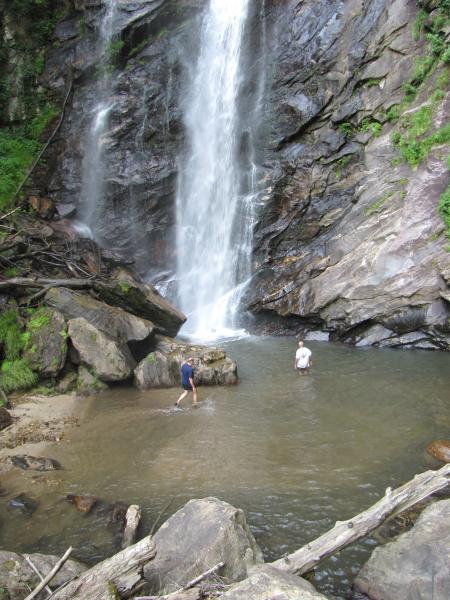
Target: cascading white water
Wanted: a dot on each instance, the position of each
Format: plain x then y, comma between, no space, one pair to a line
93,167
213,211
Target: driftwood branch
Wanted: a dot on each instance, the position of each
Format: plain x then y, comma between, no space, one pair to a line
346,532
38,573
132,519
50,576
186,587
123,571
28,282
49,141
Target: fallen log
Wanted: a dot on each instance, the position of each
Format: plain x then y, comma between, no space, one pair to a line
121,572
346,532
29,282
50,576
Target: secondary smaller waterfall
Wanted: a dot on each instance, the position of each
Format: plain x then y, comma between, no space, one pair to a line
214,217
93,168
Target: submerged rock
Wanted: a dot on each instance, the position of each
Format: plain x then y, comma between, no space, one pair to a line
268,583
201,534
35,463
415,564
440,449
17,578
23,503
83,503
5,418
110,360
161,368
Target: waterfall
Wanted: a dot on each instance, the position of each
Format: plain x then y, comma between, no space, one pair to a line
214,198
93,167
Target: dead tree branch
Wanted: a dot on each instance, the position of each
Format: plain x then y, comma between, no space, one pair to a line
50,576
346,532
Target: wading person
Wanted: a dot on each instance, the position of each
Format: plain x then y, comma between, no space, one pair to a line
187,382
302,360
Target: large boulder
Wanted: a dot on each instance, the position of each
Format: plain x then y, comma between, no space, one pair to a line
110,360
161,368
143,301
17,578
200,535
414,565
268,583
47,346
111,320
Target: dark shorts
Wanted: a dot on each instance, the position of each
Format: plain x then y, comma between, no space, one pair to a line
187,387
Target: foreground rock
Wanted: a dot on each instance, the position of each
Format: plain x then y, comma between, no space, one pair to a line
161,368
35,463
203,533
17,577
415,565
5,418
440,449
268,583
109,360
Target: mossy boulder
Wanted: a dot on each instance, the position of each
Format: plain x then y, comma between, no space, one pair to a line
46,343
144,301
87,383
108,359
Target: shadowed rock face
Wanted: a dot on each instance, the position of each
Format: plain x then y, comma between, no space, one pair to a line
347,239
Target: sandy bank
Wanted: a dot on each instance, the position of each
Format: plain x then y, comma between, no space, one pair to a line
37,422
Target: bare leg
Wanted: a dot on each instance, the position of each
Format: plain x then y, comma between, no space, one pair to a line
183,395
194,401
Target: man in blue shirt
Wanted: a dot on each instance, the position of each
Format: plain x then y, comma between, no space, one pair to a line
187,382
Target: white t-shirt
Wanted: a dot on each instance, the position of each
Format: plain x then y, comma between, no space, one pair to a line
302,356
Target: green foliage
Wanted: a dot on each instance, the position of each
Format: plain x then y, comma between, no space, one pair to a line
393,114
114,50
418,122
340,165
444,209
437,96
346,128
151,358
414,151
16,375
124,286
17,153
10,334
419,23
11,272
369,125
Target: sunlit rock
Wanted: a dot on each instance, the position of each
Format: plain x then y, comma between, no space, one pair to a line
201,534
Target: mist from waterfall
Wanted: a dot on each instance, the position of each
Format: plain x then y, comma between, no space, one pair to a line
93,166
215,185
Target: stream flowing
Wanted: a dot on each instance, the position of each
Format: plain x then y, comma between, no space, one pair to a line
295,452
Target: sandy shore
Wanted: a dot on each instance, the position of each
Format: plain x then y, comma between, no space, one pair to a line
37,422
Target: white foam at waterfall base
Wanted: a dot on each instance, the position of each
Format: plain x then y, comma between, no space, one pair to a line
213,215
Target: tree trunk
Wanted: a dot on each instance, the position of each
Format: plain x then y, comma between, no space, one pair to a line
346,532
123,572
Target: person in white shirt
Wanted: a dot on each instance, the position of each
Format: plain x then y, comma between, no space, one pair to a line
302,360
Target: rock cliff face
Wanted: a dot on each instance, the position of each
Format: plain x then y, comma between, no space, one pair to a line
348,238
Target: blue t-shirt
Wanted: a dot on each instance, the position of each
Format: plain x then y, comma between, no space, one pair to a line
186,372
